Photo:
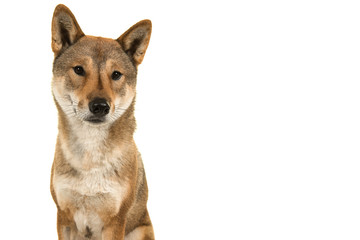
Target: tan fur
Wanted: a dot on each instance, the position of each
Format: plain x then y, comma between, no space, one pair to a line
97,180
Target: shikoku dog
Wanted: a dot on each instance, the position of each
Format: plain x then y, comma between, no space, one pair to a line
97,179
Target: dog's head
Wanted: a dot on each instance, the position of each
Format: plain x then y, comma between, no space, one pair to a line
94,78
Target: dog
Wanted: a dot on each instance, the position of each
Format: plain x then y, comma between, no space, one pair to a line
97,179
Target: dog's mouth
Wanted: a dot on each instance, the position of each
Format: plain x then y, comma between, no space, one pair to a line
95,120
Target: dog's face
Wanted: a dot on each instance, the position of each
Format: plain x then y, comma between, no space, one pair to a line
94,78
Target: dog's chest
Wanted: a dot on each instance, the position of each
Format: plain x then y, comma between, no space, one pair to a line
92,189
90,197
95,171
92,183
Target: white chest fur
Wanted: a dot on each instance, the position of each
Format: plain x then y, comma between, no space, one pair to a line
87,196
91,184
92,187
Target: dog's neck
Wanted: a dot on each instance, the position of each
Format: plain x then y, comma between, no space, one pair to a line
92,144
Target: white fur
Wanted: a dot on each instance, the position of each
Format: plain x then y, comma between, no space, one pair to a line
85,219
87,147
89,184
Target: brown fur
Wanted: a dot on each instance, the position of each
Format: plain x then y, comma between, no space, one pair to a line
109,159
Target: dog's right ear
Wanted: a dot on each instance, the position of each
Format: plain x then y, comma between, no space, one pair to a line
65,30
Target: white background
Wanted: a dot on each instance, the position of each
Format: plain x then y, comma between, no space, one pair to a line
248,116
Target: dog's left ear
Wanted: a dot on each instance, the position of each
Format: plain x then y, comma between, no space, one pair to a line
65,30
136,40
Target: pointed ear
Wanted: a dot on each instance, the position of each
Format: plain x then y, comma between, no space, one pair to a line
136,40
64,29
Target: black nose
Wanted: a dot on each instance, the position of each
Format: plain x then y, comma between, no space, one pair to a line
99,107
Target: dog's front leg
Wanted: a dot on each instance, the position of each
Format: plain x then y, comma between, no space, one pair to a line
64,232
67,233
66,229
115,230
63,229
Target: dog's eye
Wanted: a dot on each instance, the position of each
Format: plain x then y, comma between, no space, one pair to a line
79,70
116,75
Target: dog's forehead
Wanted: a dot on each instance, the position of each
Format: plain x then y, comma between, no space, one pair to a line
98,48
